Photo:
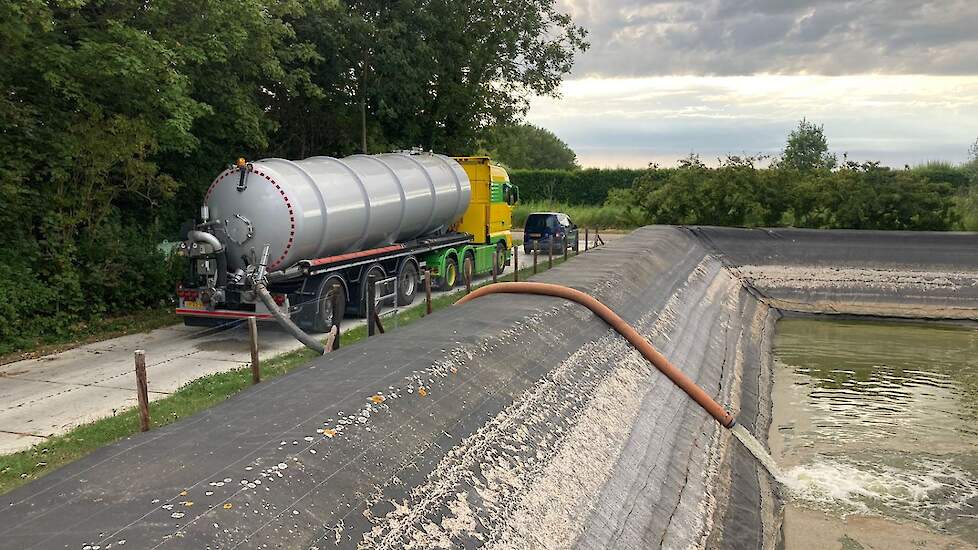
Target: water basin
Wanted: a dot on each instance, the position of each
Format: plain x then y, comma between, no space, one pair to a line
874,429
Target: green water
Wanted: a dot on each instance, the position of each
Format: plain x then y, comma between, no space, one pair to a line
879,420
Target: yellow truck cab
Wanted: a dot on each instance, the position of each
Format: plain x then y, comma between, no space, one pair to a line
489,219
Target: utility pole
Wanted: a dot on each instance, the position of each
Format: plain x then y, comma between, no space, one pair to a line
363,104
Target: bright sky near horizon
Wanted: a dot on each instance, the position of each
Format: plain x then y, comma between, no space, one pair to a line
891,80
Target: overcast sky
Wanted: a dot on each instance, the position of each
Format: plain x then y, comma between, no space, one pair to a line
891,80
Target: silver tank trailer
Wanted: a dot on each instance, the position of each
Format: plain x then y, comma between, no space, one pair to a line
323,206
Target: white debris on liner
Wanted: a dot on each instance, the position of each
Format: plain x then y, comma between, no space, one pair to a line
548,514
831,278
535,467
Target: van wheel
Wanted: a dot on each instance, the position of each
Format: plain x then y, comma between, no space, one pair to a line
407,283
449,278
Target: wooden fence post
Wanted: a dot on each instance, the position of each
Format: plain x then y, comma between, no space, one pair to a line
332,338
142,391
536,250
371,305
427,291
565,248
495,266
550,253
467,273
516,264
586,237
255,365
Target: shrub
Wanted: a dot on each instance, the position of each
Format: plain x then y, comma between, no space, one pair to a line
588,186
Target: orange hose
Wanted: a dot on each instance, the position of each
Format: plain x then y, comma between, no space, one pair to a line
677,376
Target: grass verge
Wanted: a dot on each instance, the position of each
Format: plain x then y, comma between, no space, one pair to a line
592,216
19,468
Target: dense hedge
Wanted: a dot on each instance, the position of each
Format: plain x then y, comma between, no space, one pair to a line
589,186
855,196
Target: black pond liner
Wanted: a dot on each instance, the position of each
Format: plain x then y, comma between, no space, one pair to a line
513,419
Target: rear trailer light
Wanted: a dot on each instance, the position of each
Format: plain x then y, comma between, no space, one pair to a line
188,294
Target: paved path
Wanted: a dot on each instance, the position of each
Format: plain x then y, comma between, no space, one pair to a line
51,395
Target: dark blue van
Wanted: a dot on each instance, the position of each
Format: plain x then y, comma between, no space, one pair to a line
549,228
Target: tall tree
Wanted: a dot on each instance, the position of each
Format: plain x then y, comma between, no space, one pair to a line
107,106
488,58
807,149
429,73
527,146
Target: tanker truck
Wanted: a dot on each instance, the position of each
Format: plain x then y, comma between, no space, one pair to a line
301,241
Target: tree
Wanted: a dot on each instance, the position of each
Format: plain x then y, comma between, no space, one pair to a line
478,63
806,149
527,146
429,73
106,108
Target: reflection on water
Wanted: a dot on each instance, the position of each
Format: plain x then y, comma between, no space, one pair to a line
879,418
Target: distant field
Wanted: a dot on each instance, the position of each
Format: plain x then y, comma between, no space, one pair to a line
601,217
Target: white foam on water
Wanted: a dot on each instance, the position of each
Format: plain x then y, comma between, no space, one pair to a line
927,489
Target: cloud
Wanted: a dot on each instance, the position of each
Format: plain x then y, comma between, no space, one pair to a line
741,37
896,119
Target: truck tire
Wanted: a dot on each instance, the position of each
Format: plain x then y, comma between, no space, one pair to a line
468,267
500,258
407,283
330,305
378,271
449,278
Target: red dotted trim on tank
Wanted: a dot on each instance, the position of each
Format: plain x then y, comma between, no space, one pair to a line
288,204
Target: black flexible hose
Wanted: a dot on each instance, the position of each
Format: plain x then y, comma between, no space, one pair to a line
287,323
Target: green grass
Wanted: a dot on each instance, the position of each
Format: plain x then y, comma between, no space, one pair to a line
94,331
591,216
19,468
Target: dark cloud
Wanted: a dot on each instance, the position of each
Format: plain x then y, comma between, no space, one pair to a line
735,37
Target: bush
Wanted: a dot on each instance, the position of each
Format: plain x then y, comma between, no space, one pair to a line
49,298
593,216
943,172
856,196
589,186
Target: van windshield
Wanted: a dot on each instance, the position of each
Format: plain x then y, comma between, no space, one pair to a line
540,221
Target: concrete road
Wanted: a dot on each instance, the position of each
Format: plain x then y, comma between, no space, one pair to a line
50,395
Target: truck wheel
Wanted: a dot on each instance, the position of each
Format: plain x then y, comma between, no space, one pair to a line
330,304
500,258
378,272
468,267
407,283
449,278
